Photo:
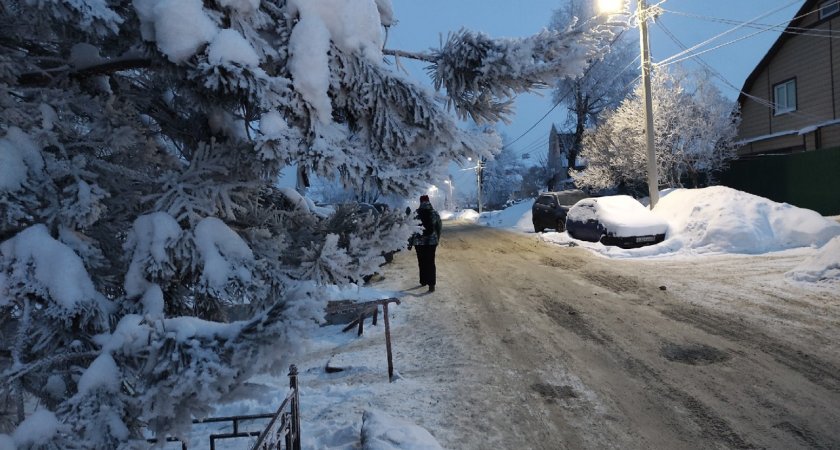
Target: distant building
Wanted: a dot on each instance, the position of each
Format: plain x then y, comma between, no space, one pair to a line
558,158
791,100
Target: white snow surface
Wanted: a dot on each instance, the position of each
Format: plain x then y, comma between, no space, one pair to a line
102,373
47,265
516,217
381,431
622,215
352,25
223,252
19,156
7,443
36,429
150,236
179,27
821,267
467,215
229,46
240,6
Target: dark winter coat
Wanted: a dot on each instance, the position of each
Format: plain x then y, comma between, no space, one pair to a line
432,225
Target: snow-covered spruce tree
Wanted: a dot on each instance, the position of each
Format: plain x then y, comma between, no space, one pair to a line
140,141
694,131
502,178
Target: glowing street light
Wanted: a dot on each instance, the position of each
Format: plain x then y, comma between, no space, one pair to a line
610,6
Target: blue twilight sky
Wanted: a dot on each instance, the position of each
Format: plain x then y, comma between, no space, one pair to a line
423,22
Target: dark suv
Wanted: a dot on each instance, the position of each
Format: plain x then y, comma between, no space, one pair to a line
550,208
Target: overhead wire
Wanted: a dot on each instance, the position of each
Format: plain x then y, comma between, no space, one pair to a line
724,33
717,74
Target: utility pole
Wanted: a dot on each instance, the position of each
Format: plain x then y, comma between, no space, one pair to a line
478,179
653,179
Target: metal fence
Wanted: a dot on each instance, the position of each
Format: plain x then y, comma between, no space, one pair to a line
282,431
806,179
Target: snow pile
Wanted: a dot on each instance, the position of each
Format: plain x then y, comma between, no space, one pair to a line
383,432
723,220
467,215
517,217
820,267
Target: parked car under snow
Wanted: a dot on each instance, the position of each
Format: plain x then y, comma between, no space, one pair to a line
615,220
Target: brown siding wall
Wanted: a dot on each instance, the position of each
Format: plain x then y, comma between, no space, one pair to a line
815,64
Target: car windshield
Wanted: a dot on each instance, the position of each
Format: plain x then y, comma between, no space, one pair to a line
570,197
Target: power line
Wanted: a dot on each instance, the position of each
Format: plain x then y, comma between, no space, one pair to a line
717,74
720,35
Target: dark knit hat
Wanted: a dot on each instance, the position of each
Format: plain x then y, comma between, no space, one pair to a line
424,198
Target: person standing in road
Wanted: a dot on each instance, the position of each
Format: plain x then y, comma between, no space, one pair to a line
426,242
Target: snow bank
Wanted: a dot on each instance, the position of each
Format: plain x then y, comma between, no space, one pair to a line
714,220
821,267
383,432
517,217
468,215
723,220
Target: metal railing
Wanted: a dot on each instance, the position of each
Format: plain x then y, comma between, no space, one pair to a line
285,425
283,428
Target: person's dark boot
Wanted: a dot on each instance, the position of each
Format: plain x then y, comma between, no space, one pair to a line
431,288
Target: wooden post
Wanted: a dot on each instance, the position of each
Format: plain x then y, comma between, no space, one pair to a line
388,341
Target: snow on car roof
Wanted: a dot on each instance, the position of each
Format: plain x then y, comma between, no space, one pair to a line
622,215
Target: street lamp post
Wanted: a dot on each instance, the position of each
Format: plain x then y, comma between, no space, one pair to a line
653,179
614,6
451,198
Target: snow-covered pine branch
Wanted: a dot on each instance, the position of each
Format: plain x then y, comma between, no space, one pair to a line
140,143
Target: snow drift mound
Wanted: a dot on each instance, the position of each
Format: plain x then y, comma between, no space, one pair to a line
517,217
721,219
821,267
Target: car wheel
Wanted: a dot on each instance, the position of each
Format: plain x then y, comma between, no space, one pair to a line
560,226
538,229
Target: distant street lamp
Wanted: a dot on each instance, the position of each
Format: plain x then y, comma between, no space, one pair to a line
451,198
615,6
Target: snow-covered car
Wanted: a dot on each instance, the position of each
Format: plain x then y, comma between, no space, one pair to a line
550,208
615,220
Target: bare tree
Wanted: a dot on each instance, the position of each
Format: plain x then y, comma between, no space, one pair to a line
605,82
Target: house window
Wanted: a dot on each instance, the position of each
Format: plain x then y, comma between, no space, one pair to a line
785,97
829,8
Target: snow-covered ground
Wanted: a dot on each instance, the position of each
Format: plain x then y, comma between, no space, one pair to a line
360,401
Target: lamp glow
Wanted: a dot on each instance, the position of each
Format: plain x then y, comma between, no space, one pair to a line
610,6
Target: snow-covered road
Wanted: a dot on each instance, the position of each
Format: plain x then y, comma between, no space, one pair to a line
531,345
